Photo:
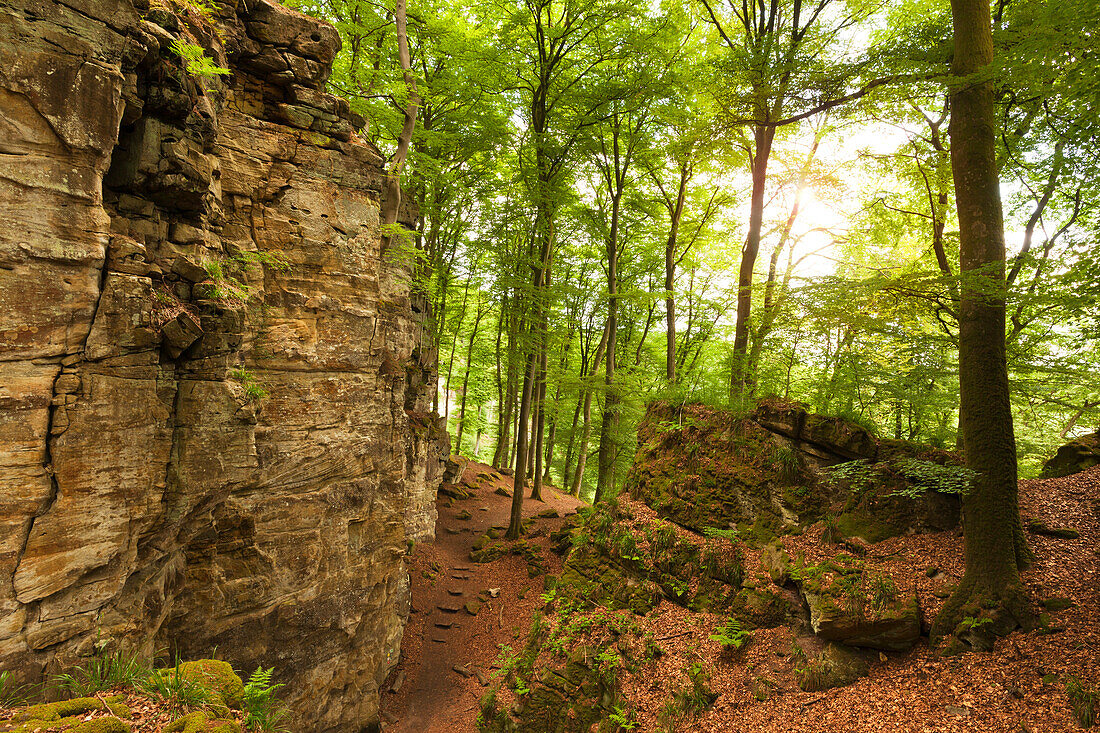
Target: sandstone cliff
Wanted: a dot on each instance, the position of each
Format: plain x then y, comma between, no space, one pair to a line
214,391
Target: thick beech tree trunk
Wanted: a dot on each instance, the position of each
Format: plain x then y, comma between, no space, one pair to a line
995,547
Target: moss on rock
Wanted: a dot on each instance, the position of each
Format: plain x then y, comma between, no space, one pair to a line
49,711
201,722
102,725
218,677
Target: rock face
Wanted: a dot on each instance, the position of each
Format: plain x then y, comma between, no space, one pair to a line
214,397
762,473
1075,456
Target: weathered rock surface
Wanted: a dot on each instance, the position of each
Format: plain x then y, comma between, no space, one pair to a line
1075,456
856,607
214,398
762,473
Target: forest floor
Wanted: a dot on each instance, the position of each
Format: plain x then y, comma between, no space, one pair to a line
447,654
1020,687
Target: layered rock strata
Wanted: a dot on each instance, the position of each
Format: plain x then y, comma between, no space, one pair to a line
214,388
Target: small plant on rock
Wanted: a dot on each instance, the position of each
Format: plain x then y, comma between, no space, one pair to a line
721,534
196,61
253,390
264,711
930,476
884,591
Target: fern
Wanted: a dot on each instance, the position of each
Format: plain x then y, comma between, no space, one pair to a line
196,61
265,712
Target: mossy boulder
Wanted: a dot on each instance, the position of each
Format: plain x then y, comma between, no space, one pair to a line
1075,456
67,708
102,725
489,551
574,696
202,722
762,608
836,666
1037,526
703,467
602,580
218,677
69,716
633,565
856,606
766,473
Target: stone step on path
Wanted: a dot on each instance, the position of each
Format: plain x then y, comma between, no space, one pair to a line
449,608
444,624
456,592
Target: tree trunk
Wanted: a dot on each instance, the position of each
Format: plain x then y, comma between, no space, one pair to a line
551,435
739,375
390,204
515,526
536,484
675,213
586,434
995,548
610,400
466,377
567,465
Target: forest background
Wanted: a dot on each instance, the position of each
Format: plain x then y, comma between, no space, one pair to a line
692,201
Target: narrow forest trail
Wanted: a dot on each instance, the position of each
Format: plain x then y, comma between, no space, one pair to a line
427,693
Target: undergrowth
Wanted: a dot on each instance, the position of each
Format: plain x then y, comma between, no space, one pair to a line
263,710
1083,701
104,672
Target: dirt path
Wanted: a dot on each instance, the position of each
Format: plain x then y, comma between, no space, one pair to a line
426,693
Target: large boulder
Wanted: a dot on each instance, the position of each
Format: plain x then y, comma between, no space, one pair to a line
853,605
771,472
1075,456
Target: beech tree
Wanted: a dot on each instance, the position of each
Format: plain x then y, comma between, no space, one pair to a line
995,547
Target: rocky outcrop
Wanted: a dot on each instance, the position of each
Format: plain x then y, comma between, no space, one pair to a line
1075,456
214,393
766,472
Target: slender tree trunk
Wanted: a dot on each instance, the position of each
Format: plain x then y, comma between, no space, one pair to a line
995,547
536,485
586,435
514,444
772,300
567,465
532,439
391,182
515,526
739,375
466,376
502,418
675,213
551,434
610,401
454,348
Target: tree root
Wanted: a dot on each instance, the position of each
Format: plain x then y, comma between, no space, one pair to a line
978,613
